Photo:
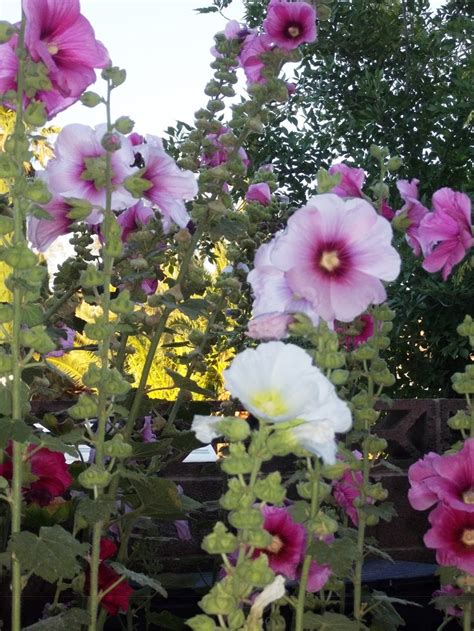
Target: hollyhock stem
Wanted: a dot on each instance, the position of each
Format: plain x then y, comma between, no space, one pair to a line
17,415
315,478
467,617
358,613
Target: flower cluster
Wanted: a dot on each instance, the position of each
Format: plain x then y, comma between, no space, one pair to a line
447,482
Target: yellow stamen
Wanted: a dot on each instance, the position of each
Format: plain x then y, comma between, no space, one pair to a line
330,260
293,31
270,402
468,537
468,496
52,49
276,545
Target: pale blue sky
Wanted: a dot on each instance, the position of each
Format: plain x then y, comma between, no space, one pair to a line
164,46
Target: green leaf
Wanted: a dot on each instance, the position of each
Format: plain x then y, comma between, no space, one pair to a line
159,497
9,430
93,511
166,620
32,315
148,450
70,620
51,555
188,384
331,622
340,554
141,579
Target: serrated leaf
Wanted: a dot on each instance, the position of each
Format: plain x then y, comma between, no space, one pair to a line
331,622
187,384
93,511
340,554
70,620
51,555
9,430
159,497
140,579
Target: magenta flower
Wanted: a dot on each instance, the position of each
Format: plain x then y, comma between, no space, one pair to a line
78,170
220,154
450,591
269,326
446,232
357,333
134,218
346,490
414,211
352,180
290,24
43,232
448,478
170,186
452,536
136,139
260,193
335,253
386,211
250,57
149,286
59,36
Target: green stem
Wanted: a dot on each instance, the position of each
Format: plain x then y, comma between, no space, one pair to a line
314,508
357,581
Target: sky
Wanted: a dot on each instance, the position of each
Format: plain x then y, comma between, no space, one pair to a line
164,46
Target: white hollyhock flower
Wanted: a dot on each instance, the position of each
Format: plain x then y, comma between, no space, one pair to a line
205,428
318,438
272,592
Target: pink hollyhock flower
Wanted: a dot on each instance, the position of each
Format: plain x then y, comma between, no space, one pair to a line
148,435
59,36
149,285
170,186
448,478
221,153
449,590
269,326
290,24
346,490
386,211
335,253
78,169
414,211
452,536
446,232
250,57
50,472
352,180
134,218
271,290
364,325
136,139
260,193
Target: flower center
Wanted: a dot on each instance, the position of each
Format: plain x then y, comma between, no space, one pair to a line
293,31
330,260
468,496
468,537
270,402
276,545
52,48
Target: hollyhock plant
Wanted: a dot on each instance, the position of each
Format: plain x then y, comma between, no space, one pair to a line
170,186
446,232
63,39
221,153
78,169
250,58
352,180
290,24
452,536
358,332
448,478
134,218
48,477
413,211
269,326
335,253
449,591
260,193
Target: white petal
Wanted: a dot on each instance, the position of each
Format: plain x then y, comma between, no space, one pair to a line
205,428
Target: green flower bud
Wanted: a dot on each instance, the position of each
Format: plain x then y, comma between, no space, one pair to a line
236,619
256,572
334,471
383,378
91,99
386,327
122,305
18,256
137,185
236,496
466,328
384,313
38,339
91,378
376,445
393,164
212,88
202,623
381,341
227,90
364,352
281,443
379,152
339,377
372,520
459,421
35,114
7,31
92,277
324,525
111,141
86,407
124,124
3,483
249,518
94,477
324,12
215,105
115,384
330,360
117,448
401,222
327,182
80,208
366,415
258,538
98,330
238,461
220,541
361,399
270,489
234,428
37,192
377,492
463,383
218,601
115,75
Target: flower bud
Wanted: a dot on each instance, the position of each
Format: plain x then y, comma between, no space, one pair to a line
115,75
256,572
459,421
238,460
111,141
270,489
122,305
220,541
136,185
94,477
124,124
219,600
91,99
35,114
249,518
202,623
234,428
377,492
364,352
6,31
372,520
117,448
379,152
324,525
393,164
334,471
86,407
258,538
339,377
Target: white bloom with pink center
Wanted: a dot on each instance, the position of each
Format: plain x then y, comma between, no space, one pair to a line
78,168
335,253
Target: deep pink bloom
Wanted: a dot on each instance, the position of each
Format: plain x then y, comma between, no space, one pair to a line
136,139
452,536
134,218
364,324
221,153
414,211
78,149
290,24
63,39
449,590
50,470
250,57
346,490
171,186
352,180
448,478
118,598
386,211
446,232
260,193
269,326
335,253
43,232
